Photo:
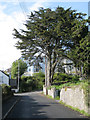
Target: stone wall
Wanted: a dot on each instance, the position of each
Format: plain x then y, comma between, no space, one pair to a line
74,96
52,93
45,90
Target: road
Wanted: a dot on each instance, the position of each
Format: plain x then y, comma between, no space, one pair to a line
36,105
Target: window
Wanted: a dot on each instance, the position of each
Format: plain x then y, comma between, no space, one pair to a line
36,69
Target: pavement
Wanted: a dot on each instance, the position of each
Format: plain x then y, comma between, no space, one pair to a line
36,105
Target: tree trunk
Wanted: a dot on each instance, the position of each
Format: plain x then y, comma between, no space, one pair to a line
53,71
45,71
48,72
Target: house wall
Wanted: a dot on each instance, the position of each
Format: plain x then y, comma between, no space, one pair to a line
31,69
4,79
0,102
68,68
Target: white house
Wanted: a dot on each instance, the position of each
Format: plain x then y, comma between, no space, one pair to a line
4,78
33,69
69,66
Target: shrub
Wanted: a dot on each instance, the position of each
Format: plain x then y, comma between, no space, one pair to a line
40,76
62,78
25,78
6,91
34,82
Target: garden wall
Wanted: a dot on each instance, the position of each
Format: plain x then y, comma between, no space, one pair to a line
45,90
51,92
75,97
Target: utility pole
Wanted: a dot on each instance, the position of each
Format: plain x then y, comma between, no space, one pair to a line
18,75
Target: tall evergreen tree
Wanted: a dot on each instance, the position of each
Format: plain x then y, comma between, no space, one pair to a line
50,33
80,53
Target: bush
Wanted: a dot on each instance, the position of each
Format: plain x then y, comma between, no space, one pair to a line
61,78
40,78
25,84
6,92
34,82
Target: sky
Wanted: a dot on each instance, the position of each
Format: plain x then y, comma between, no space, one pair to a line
13,13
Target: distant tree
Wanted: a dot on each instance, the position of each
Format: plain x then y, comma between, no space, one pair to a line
14,69
50,33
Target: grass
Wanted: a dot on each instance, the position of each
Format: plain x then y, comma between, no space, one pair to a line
57,98
76,109
70,84
49,96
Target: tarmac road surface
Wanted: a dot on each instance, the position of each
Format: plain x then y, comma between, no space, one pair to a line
36,105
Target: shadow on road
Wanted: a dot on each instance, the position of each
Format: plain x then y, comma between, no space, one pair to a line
28,107
33,105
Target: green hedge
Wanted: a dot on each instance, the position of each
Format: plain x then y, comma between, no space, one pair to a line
29,83
6,91
61,78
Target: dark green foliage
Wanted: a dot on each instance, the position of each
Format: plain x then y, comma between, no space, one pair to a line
61,78
52,33
40,78
27,83
14,69
30,83
80,54
25,87
6,90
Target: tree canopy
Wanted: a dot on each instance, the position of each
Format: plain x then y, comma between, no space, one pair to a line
51,33
14,69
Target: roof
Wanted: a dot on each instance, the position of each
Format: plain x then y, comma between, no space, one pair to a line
4,73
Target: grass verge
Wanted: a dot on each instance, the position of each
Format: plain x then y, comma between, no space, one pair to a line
73,108
76,109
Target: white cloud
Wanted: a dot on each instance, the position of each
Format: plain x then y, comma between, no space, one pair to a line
8,53
19,18
37,5
2,7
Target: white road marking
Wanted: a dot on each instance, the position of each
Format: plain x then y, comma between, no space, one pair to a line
10,109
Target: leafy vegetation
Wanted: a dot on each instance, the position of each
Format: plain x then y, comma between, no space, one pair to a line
76,109
18,64
61,78
85,86
6,91
81,54
55,34
30,83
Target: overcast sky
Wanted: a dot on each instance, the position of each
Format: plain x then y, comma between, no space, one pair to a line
13,14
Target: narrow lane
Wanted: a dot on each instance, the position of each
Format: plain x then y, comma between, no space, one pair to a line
34,105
